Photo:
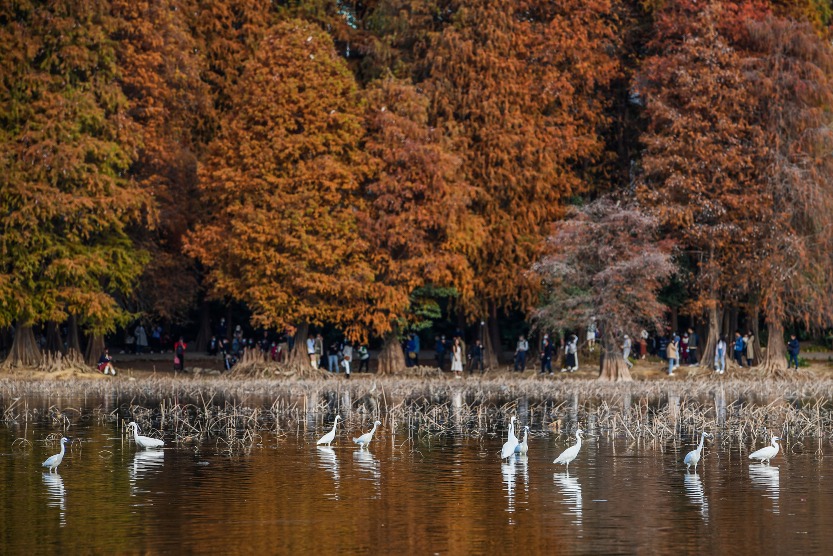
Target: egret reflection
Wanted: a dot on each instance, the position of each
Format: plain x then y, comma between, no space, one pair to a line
769,478
696,493
572,494
145,463
328,461
56,494
508,471
365,461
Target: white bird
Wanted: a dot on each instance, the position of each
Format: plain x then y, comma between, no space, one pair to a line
693,457
144,441
523,447
365,439
767,453
330,436
52,462
570,453
511,442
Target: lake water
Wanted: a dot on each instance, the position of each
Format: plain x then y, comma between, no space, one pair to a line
452,496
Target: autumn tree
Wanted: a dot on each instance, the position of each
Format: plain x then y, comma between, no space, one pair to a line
701,153
66,145
416,223
790,71
160,76
606,263
284,179
519,89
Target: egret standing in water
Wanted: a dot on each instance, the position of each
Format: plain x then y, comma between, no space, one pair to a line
330,436
52,462
523,447
767,453
511,442
570,453
693,457
144,441
365,439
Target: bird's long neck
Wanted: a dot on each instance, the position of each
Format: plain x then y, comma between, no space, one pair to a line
334,426
63,447
775,444
578,439
526,434
135,432
700,446
373,429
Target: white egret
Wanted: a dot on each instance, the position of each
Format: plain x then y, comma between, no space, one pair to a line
523,447
144,441
330,436
570,453
52,462
511,442
693,457
365,439
767,453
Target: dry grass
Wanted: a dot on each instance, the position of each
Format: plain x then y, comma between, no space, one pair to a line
234,413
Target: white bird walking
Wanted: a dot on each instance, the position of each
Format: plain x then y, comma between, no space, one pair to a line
523,447
52,462
330,436
511,442
365,439
570,453
693,457
144,441
767,453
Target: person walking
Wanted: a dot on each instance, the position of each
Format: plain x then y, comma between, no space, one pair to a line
318,346
141,338
520,354
457,358
546,356
750,350
671,354
179,354
346,357
439,351
793,348
476,358
693,339
332,357
311,352
720,356
364,359
739,349
626,350
571,355
591,335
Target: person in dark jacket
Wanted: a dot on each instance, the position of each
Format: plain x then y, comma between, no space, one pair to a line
546,356
739,347
476,358
792,351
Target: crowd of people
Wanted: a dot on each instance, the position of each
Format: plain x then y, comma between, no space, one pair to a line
341,356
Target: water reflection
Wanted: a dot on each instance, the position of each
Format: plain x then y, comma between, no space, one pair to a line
696,493
572,495
365,461
145,464
523,464
769,478
328,461
56,494
508,471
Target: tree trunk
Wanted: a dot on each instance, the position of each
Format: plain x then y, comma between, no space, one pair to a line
775,360
675,324
204,333
712,336
754,327
95,347
73,340
726,326
299,355
733,322
491,341
24,351
54,344
612,364
391,358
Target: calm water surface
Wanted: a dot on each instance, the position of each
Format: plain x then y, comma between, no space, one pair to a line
447,497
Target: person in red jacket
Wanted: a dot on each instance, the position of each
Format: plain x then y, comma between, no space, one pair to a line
179,354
